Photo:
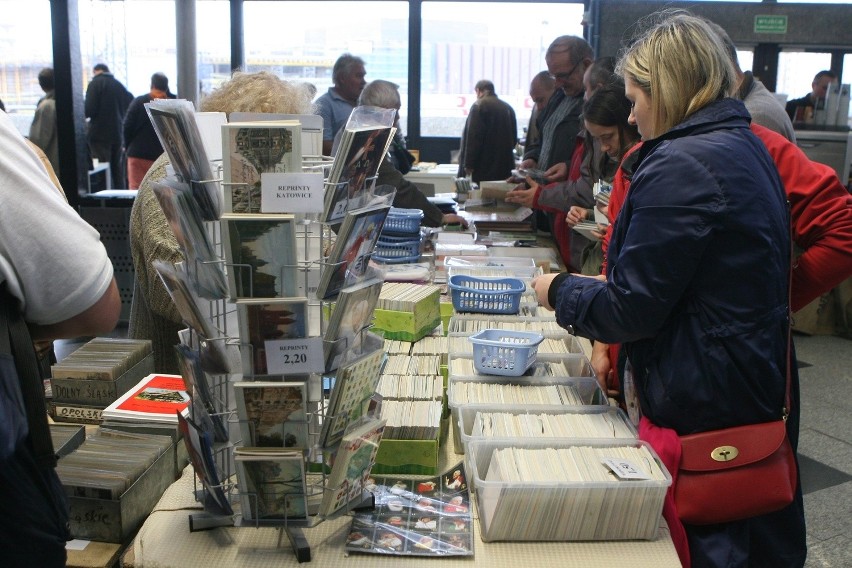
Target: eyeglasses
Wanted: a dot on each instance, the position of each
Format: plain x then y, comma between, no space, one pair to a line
565,76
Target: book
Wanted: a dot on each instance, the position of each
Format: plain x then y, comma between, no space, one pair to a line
263,320
260,251
351,465
350,256
156,398
250,149
354,385
271,483
272,414
352,313
358,157
199,446
311,128
174,123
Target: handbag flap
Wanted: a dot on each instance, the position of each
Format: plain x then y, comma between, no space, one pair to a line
731,447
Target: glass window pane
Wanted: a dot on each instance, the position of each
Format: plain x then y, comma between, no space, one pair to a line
796,72
213,42
135,39
302,40
464,42
26,46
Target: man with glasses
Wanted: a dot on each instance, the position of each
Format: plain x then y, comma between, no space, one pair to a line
567,58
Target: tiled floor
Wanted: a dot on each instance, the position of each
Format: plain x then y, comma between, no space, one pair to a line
825,444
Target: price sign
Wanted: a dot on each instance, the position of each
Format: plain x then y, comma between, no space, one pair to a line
624,469
294,356
291,193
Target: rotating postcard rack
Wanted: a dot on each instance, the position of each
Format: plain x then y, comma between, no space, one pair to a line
266,441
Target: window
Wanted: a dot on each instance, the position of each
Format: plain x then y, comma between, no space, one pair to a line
796,72
302,40
26,47
464,42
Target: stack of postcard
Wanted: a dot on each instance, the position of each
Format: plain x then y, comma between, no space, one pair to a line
250,149
273,414
350,317
359,154
199,445
272,485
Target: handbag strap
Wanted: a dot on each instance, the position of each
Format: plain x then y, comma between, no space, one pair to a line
15,339
787,389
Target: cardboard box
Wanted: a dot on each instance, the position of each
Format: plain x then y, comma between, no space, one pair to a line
409,457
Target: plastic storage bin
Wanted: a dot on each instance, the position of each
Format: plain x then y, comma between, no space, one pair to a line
486,295
394,252
403,221
560,510
503,352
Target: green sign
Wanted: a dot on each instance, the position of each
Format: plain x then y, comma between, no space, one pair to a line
770,24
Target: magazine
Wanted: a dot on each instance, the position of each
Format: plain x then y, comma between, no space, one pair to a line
356,240
272,414
424,517
260,251
250,149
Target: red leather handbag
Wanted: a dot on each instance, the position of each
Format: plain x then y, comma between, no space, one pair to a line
735,473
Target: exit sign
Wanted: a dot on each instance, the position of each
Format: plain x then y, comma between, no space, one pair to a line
770,24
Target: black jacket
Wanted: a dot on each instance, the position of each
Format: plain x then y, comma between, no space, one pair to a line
140,139
106,104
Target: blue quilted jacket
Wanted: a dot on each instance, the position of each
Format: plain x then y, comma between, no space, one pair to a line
697,279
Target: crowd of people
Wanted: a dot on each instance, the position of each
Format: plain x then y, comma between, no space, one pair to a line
689,325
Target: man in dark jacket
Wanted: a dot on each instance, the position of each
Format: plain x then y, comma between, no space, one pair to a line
489,137
140,139
106,104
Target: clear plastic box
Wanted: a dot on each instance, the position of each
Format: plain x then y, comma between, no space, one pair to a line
559,510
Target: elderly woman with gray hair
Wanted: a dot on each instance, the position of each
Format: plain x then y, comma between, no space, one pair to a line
385,94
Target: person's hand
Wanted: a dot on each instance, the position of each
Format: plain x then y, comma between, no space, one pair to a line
575,215
599,232
453,219
601,365
557,172
528,164
541,285
523,196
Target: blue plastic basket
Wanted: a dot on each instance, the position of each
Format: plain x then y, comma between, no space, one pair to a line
486,295
392,252
503,352
403,221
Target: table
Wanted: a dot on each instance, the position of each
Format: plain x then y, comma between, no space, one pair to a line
165,541
434,178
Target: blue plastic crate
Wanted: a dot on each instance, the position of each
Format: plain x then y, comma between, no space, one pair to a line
392,252
403,221
486,295
504,352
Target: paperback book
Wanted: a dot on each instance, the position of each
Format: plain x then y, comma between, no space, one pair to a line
350,257
352,314
271,483
264,320
272,414
250,149
156,398
260,251
351,465
358,157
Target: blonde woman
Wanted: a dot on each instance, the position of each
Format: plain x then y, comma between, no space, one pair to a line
696,284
